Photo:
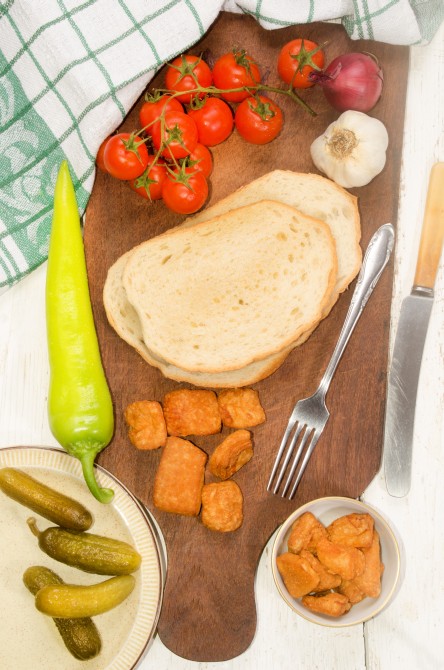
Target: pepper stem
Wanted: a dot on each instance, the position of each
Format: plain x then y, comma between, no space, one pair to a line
86,459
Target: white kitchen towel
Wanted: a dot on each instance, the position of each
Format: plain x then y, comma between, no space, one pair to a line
70,71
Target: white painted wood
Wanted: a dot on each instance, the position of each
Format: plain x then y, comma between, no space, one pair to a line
408,635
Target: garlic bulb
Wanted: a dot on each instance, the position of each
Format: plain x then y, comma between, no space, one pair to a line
352,151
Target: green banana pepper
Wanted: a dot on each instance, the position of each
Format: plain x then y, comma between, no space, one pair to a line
80,409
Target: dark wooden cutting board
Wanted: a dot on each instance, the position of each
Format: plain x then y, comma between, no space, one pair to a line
209,610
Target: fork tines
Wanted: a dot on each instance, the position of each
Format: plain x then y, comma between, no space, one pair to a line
310,415
305,438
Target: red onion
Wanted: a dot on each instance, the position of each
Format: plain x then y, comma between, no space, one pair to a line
351,81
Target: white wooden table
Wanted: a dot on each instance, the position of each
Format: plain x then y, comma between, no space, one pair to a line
409,634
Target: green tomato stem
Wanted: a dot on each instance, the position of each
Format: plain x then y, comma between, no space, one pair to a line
213,90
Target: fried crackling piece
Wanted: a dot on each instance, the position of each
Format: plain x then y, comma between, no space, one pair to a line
147,429
240,408
348,562
298,575
222,506
191,412
305,533
349,589
352,530
332,604
327,581
369,582
231,454
180,477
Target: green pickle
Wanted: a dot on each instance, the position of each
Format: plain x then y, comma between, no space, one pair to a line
88,552
68,601
80,635
43,500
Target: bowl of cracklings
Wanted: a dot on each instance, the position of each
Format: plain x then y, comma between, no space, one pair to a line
336,562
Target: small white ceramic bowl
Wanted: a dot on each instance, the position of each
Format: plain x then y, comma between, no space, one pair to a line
327,510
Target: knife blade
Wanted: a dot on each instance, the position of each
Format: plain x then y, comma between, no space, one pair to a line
409,344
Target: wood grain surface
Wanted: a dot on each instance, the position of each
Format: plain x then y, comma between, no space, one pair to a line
209,610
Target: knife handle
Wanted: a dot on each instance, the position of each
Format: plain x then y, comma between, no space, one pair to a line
432,235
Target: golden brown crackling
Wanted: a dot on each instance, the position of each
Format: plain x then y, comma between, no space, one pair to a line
348,562
240,408
369,582
298,575
331,604
222,506
191,412
180,478
147,429
305,533
327,580
349,589
352,530
231,454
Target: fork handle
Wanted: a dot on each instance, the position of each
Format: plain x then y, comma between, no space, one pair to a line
376,258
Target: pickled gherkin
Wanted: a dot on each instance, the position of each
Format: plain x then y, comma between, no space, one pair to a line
43,500
72,601
80,635
86,551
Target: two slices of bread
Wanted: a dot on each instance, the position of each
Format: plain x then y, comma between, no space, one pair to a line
217,301
124,319
312,195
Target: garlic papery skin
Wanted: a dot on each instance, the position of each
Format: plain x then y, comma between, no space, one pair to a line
352,150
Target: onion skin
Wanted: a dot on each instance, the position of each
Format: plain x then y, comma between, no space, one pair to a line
351,81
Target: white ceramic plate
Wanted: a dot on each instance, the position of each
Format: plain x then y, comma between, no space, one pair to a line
29,639
327,510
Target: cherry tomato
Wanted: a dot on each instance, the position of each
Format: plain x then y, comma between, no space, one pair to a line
201,159
125,156
151,110
186,73
297,59
149,184
234,70
258,121
99,158
185,191
214,121
179,137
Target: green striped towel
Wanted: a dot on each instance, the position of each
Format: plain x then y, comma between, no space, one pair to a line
70,71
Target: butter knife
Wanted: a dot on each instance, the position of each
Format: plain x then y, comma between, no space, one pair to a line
409,344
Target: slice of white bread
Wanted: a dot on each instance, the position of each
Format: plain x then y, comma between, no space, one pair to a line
299,187
313,195
224,293
123,318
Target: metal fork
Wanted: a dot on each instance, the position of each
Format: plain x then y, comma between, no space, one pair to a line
310,415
